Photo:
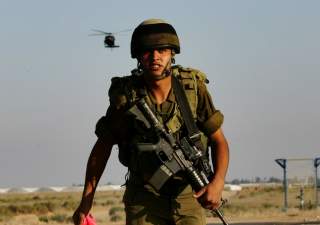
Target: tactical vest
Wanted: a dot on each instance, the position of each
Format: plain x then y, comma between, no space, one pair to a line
125,91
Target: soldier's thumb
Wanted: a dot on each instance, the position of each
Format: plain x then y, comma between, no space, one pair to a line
199,193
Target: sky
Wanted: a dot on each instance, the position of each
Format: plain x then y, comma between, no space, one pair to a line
261,57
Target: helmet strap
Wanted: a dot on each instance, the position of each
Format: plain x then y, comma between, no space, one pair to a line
173,60
139,66
166,72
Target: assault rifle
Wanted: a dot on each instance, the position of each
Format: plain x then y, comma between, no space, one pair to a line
174,157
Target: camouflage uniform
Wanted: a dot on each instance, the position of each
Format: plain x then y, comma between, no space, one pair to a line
174,203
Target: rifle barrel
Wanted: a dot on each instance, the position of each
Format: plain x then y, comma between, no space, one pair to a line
221,217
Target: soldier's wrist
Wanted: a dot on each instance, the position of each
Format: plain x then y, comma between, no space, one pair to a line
85,206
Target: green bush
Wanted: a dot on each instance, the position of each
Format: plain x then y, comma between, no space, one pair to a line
44,207
61,218
69,205
115,218
267,205
108,202
44,219
113,211
20,209
36,197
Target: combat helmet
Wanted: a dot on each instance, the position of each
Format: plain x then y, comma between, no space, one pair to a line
154,33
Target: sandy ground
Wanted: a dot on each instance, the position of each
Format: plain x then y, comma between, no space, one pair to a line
310,217
292,217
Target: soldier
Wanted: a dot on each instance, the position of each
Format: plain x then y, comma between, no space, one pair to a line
154,44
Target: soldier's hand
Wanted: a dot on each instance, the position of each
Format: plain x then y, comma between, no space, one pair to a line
210,196
79,215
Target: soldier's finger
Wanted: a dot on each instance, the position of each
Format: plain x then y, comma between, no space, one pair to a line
199,193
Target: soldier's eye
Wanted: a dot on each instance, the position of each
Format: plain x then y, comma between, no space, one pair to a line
163,50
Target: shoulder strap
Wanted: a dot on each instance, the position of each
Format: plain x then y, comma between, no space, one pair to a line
193,131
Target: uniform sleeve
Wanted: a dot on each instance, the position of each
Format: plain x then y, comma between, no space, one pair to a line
106,125
209,118
113,123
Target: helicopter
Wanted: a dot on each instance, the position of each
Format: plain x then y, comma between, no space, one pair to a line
109,39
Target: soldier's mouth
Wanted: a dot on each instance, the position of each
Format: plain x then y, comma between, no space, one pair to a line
155,66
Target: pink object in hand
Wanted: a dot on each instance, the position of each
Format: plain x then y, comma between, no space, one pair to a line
89,220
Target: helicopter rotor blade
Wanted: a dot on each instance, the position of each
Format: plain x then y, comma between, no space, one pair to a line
96,34
123,31
101,32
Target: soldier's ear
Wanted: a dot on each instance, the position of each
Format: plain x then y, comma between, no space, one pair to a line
173,53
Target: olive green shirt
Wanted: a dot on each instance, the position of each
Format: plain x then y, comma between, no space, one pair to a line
118,124
115,122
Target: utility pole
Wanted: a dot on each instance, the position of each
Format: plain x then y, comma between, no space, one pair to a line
316,164
283,164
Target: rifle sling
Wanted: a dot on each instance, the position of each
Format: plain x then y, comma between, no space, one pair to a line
182,101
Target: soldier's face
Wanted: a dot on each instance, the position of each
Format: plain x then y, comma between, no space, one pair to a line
155,61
